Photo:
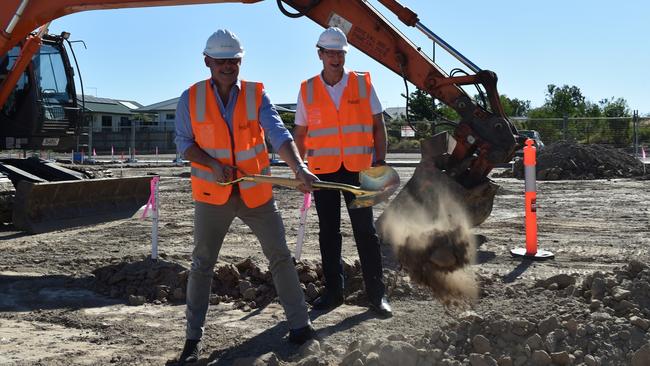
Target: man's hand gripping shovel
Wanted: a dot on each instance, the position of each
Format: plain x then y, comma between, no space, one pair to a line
376,185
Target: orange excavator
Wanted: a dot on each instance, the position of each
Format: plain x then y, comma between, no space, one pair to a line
456,163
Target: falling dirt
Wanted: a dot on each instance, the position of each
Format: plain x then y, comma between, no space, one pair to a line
430,234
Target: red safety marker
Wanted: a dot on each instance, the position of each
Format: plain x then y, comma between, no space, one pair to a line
531,251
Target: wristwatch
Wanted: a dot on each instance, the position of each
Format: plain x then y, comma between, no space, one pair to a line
300,167
379,162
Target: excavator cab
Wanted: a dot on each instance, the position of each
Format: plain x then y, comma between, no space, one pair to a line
41,111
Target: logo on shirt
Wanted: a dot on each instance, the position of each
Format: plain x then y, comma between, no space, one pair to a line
353,101
314,116
243,125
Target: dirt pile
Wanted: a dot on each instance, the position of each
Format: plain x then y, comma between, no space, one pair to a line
141,281
601,319
244,284
569,160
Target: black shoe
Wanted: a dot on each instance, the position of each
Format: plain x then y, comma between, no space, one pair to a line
327,302
381,307
301,335
191,352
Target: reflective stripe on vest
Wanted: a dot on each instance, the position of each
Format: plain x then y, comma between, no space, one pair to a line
363,92
211,134
326,151
343,135
218,153
357,150
203,174
249,153
323,132
251,105
310,90
356,128
200,102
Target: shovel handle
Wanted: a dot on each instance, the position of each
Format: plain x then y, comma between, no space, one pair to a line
294,183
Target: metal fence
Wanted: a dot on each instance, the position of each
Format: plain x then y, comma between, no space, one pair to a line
142,139
622,132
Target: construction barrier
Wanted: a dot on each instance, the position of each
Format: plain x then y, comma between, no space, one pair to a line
531,251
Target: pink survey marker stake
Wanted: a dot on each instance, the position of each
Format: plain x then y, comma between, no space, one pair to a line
153,205
301,228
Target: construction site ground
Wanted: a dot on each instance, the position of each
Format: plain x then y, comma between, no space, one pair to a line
57,306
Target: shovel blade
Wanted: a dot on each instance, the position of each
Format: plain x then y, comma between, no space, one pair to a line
379,183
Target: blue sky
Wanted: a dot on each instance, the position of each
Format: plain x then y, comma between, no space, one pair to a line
153,54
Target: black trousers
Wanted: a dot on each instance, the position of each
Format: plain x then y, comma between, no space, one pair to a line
328,207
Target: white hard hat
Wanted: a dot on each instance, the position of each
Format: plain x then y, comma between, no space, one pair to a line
333,39
223,44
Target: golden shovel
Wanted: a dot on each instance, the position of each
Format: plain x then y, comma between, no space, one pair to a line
376,185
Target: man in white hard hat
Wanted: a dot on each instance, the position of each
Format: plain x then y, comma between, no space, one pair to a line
340,128
221,125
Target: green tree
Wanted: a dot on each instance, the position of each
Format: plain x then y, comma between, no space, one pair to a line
615,107
288,119
420,106
619,129
565,101
514,107
560,102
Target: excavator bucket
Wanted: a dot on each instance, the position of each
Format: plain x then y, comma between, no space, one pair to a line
434,188
47,206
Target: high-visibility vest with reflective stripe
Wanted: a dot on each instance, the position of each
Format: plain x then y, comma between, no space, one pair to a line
211,133
342,136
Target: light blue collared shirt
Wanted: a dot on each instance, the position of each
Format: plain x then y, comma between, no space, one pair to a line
270,120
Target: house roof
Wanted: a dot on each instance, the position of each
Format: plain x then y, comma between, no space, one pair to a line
395,112
286,107
109,106
165,105
282,108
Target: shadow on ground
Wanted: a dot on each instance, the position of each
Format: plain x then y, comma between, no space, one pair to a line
27,293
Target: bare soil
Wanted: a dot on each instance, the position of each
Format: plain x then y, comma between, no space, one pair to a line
91,296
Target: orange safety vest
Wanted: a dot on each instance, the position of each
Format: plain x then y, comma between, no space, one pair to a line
245,148
342,136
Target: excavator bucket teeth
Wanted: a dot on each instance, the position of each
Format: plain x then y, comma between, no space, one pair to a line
42,207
